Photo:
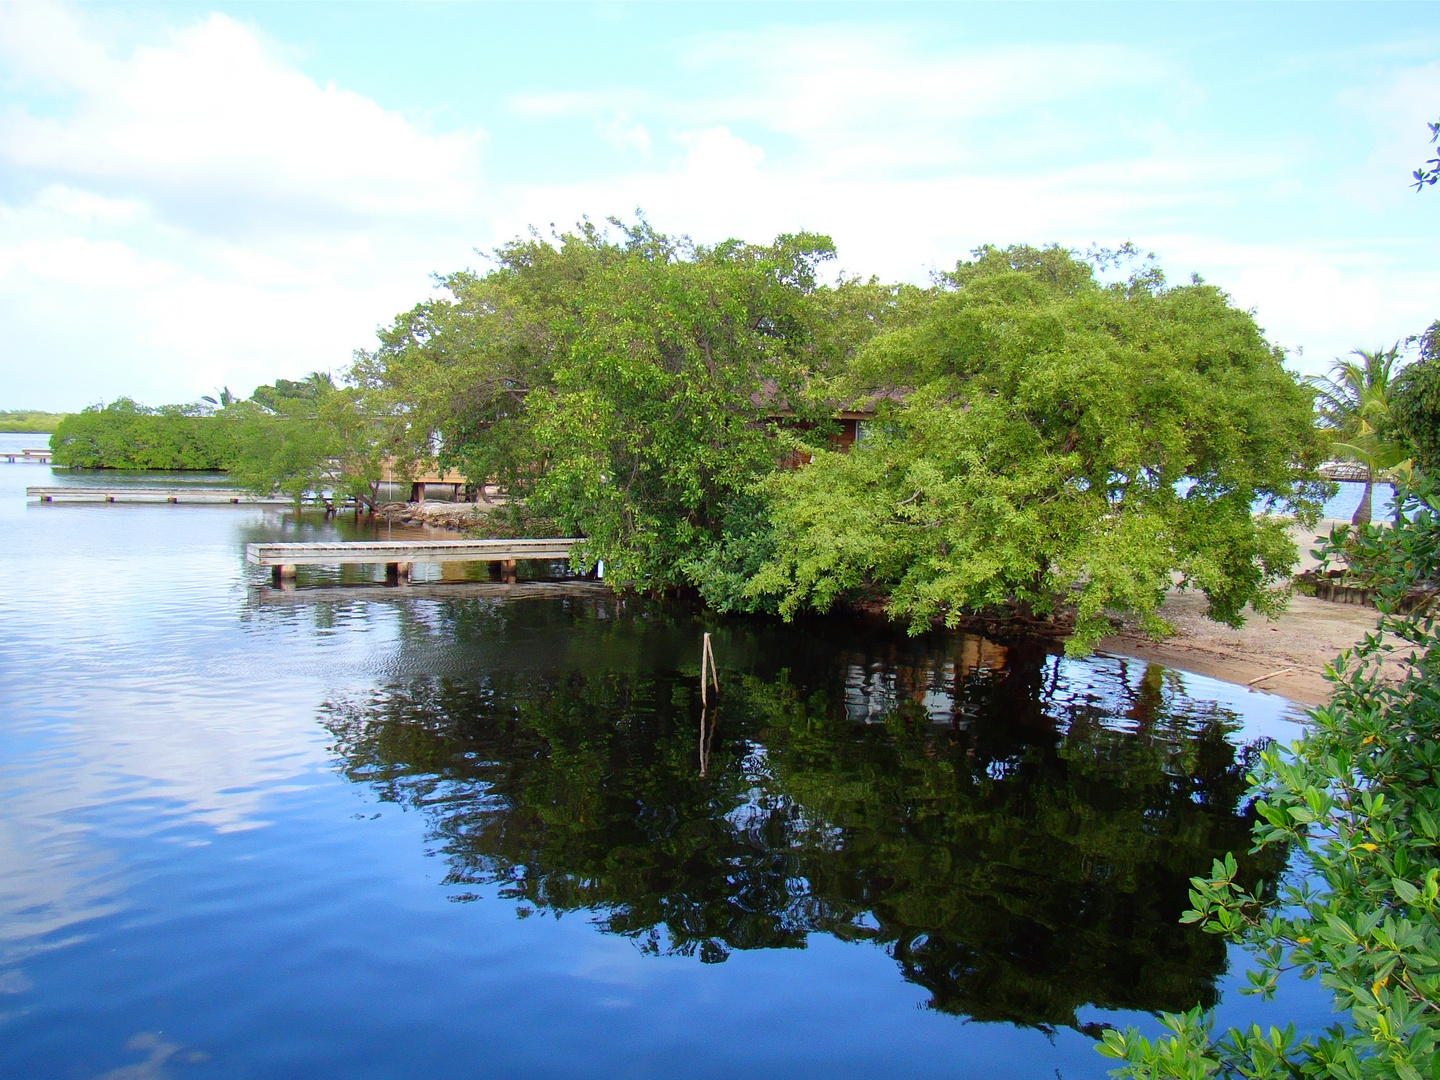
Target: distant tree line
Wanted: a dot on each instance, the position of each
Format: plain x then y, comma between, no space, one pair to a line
19,420
127,435
300,438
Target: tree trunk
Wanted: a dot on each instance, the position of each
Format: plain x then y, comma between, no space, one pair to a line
1362,512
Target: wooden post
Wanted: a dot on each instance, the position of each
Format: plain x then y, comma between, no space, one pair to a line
507,570
282,572
707,666
707,726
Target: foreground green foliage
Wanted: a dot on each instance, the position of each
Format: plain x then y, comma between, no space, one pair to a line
125,435
1427,174
1060,445
29,420
1358,799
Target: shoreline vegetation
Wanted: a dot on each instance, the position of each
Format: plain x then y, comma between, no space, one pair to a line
1037,439
29,421
1356,804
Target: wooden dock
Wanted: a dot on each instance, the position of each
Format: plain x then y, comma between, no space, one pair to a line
400,556
125,494
39,457
289,594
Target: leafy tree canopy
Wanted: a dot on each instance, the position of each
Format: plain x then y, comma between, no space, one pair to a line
305,437
621,384
1416,402
127,435
1060,442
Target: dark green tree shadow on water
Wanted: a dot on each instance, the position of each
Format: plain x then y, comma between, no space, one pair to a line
1017,831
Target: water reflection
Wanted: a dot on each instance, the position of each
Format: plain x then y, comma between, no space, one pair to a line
1015,830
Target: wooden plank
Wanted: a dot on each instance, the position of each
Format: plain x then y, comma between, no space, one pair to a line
361,552
433,590
122,494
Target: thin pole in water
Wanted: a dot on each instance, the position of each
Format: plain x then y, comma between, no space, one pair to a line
707,667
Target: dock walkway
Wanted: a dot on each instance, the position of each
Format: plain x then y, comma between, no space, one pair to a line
126,494
39,457
400,556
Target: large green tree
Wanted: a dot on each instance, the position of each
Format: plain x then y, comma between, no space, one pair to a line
1059,445
622,386
306,439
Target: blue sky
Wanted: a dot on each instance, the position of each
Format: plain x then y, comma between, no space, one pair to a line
196,195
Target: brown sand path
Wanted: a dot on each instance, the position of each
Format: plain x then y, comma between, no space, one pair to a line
1298,645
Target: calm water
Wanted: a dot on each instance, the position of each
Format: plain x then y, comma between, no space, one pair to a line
350,831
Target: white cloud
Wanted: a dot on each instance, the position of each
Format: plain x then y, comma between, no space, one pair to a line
911,155
621,133
211,129
195,209
210,212
88,206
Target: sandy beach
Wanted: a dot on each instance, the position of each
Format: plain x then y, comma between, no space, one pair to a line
1285,656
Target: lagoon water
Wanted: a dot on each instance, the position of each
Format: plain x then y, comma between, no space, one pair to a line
350,831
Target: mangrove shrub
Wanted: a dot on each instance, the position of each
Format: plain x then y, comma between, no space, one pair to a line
622,388
125,435
1044,444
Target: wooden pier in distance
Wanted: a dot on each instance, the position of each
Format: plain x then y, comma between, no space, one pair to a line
400,556
125,494
39,457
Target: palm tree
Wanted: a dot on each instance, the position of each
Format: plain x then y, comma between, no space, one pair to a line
1354,405
224,399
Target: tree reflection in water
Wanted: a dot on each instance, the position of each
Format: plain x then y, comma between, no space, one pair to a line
1016,830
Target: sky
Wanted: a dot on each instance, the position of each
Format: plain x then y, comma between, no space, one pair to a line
195,196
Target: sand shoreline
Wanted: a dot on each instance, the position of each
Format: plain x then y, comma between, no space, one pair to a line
1285,656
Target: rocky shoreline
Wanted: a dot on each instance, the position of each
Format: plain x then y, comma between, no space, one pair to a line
439,515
